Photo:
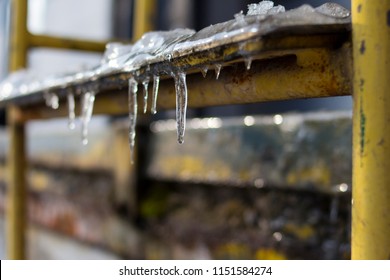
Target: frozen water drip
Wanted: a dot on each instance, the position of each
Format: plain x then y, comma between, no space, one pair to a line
248,63
133,108
145,84
156,83
71,111
88,100
218,68
181,105
51,100
204,70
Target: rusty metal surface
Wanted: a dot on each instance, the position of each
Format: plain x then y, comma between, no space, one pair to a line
309,151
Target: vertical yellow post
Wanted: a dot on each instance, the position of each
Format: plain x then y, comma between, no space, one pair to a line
16,196
371,130
144,17
19,35
16,191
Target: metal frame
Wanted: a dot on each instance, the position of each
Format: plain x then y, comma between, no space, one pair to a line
306,71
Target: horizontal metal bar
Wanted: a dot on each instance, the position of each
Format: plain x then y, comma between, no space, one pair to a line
284,75
64,43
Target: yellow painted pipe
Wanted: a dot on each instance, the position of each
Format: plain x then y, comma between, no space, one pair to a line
16,189
64,43
371,133
16,218
19,35
144,17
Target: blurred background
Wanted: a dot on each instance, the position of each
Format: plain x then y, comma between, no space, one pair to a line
256,181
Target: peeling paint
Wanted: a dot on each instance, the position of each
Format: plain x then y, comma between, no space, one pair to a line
362,48
362,127
359,8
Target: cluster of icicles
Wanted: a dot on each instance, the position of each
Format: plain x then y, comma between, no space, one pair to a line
157,47
88,98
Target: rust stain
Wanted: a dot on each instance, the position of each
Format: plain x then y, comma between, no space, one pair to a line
359,8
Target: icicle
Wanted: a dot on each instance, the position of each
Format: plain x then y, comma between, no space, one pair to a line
71,111
218,68
51,100
181,105
248,63
86,114
156,83
145,83
204,70
133,108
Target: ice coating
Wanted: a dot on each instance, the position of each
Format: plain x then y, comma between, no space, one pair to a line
259,9
240,18
181,105
145,84
88,100
133,110
71,111
154,46
333,10
156,83
19,83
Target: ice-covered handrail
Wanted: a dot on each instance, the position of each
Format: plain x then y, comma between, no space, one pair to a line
162,48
